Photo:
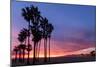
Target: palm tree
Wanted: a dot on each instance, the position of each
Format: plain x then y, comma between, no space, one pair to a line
37,35
36,15
16,52
19,50
39,45
30,14
26,13
21,38
23,46
44,23
34,39
49,31
35,30
28,48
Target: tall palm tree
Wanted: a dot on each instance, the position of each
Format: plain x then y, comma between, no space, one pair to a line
47,29
30,14
27,14
35,30
44,23
50,28
37,35
16,52
35,43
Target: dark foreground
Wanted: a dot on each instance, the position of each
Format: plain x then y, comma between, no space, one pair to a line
55,60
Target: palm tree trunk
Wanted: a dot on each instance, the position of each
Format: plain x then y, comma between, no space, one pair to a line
36,49
28,39
28,51
23,55
34,52
49,48
28,57
45,50
20,56
16,57
39,49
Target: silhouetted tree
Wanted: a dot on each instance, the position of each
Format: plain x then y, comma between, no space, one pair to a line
22,37
25,34
44,23
35,30
16,52
30,14
39,45
37,35
19,53
26,13
49,31
39,28
28,48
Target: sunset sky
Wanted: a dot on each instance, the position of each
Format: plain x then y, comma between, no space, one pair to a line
74,26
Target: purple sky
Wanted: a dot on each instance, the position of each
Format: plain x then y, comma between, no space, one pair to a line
74,25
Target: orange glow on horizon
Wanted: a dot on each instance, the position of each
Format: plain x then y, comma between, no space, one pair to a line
54,54
56,49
